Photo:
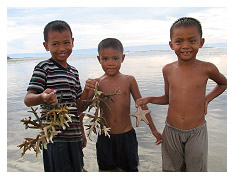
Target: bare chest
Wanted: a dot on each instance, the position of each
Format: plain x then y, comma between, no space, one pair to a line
109,87
188,80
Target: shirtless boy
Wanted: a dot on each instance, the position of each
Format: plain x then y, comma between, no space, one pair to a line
121,149
185,141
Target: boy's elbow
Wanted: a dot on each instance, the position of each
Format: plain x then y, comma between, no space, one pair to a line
26,102
225,86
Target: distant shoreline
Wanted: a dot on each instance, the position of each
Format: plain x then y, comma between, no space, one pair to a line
142,48
9,59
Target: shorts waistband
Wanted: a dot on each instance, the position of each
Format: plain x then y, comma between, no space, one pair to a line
131,130
198,128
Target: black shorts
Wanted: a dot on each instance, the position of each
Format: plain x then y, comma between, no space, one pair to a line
63,157
118,151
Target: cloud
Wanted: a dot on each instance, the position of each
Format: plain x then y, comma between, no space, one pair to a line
214,23
132,25
135,32
24,38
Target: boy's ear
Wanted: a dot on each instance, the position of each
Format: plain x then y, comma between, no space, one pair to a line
202,42
46,46
98,57
123,57
171,45
72,42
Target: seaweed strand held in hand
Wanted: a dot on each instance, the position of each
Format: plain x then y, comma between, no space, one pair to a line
96,122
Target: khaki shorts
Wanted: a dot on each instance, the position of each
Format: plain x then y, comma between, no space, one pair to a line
184,150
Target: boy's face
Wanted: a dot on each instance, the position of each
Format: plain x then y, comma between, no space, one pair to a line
186,42
111,60
60,45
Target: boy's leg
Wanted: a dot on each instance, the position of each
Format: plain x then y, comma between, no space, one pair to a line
127,151
118,153
76,155
196,150
104,151
172,151
58,157
46,161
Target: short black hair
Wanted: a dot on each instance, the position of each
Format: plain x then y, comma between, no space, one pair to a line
186,22
57,25
110,42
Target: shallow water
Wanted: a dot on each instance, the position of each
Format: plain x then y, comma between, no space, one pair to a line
146,67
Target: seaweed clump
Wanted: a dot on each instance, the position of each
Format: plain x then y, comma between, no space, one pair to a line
52,117
96,122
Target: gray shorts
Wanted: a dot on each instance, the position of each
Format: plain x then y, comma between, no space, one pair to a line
184,150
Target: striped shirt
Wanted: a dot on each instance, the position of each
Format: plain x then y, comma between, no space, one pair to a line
50,74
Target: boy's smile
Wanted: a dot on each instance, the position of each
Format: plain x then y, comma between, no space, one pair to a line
186,42
60,45
111,60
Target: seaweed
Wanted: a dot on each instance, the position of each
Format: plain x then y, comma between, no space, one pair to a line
96,122
54,116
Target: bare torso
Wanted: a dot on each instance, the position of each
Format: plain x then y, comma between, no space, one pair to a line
118,119
186,90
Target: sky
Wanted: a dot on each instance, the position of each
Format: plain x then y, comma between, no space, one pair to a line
133,26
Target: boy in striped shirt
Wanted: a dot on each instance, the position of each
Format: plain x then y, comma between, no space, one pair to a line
50,79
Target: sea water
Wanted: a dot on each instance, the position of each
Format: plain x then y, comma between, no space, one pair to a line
146,67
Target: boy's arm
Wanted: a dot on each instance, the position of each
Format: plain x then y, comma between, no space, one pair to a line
84,140
162,100
48,96
221,86
87,94
136,95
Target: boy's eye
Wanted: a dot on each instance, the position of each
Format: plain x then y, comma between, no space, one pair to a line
105,59
116,58
192,41
66,43
55,44
178,41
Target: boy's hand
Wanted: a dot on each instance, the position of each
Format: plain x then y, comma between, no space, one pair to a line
49,97
141,101
90,85
158,137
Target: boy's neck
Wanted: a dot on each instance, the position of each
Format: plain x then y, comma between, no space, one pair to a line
186,62
62,63
112,76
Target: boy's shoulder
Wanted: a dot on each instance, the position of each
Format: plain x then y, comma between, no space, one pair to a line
44,62
130,77
205,63
206,66
169,66
73,68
